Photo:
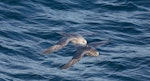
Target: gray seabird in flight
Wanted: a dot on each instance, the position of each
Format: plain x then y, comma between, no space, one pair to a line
67,37
84,50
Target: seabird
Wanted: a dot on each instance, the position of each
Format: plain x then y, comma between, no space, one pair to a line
67,37
84,50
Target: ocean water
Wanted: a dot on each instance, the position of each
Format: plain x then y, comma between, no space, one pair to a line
28,27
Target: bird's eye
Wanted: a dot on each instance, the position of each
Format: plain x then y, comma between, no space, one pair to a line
84,42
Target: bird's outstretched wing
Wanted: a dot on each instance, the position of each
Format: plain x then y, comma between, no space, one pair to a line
79,54
52,49
101,43
60,44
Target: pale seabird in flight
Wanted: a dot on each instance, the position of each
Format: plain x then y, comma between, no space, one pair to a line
67,37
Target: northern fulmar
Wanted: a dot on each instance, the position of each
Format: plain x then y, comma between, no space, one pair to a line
67,37
84,50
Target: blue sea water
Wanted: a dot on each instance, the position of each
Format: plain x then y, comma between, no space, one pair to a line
28,27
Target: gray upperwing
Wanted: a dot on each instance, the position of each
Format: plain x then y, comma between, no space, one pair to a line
101,43
60,44
52,49
79,54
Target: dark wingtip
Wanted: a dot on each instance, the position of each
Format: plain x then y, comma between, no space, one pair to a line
63,67
45,52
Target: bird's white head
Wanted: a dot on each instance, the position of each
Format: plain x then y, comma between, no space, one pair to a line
94,53
84,42
79,40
